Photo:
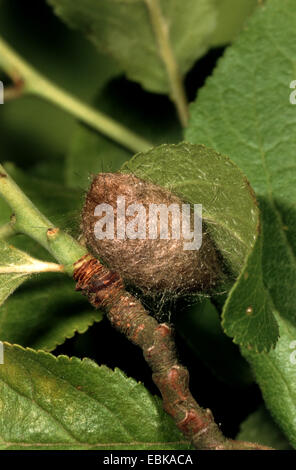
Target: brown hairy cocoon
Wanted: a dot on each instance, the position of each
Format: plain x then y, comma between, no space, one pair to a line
154,266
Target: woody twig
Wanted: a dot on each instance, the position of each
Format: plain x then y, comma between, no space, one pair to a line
105,290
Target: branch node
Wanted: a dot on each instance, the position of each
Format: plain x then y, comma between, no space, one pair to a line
52,233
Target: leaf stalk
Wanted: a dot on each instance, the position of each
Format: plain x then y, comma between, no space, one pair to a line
161,30
35,83
28,220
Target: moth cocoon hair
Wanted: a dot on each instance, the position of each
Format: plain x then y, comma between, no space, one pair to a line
156,258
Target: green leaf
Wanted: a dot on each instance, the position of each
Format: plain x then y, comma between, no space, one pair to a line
202,176
249,314
232,15
10,256
275,373
260,428
237,113
200,328
124,30
61,403
52,308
